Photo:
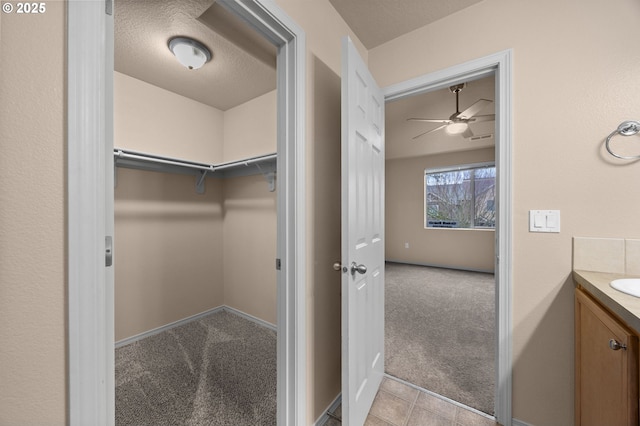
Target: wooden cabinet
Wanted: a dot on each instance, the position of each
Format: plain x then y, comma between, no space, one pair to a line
606,366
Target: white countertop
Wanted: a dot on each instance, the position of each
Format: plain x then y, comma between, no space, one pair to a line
623,305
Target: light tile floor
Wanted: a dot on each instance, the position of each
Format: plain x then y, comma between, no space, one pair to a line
397,404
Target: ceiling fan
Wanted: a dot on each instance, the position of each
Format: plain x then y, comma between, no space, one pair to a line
458,122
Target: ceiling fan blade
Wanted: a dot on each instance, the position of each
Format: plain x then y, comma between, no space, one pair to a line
467,133
474,109
430,120
479,118
430,131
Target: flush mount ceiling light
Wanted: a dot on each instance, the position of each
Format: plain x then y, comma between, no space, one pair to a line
190,53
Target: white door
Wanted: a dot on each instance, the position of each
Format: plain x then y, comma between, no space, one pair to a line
362,237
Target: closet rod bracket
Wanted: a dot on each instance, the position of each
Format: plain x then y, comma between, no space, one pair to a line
200,180
269,176
271,180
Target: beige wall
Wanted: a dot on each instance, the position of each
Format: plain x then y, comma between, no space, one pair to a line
249,241
32,218
249,209
250,129
179,253
574,81
471,249
153,120
168,238
168,249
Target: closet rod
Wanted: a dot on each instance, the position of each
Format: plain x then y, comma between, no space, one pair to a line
119,153
132,155
247,162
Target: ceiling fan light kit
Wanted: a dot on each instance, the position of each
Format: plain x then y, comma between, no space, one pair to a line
458,122
189,52
456,128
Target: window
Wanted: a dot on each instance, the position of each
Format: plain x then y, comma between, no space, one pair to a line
460,197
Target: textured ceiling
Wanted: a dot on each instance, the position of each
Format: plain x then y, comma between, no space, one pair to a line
243,64
377,21
242,68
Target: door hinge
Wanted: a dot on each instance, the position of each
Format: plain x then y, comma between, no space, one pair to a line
278,264
108,250
109,7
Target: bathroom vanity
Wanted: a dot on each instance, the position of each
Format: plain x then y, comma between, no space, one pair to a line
607,326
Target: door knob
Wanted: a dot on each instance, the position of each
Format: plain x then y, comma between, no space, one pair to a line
361,269
337,266
615,345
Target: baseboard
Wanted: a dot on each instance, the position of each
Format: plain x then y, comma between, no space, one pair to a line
439,266
250,318
324,417
195,317
516,422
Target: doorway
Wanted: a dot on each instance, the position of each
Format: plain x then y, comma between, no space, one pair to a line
500,66
90,211
440,242
354,103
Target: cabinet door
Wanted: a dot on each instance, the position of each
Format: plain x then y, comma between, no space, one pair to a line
606,377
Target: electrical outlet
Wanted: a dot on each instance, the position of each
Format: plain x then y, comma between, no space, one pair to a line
406,245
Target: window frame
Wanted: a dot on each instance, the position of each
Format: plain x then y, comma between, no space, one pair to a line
448,169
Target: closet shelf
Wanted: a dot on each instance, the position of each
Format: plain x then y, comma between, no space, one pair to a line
263,164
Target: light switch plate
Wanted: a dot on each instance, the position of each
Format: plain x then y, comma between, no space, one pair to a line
544,220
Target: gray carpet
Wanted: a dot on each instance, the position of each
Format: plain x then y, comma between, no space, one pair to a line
440,332
218,370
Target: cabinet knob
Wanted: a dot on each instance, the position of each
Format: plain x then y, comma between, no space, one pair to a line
615,345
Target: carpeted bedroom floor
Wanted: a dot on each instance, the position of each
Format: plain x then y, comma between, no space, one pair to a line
440,332
218,370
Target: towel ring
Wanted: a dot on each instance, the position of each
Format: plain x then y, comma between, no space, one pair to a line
626,128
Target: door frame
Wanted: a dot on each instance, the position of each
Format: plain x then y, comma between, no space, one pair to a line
501,64
91,391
